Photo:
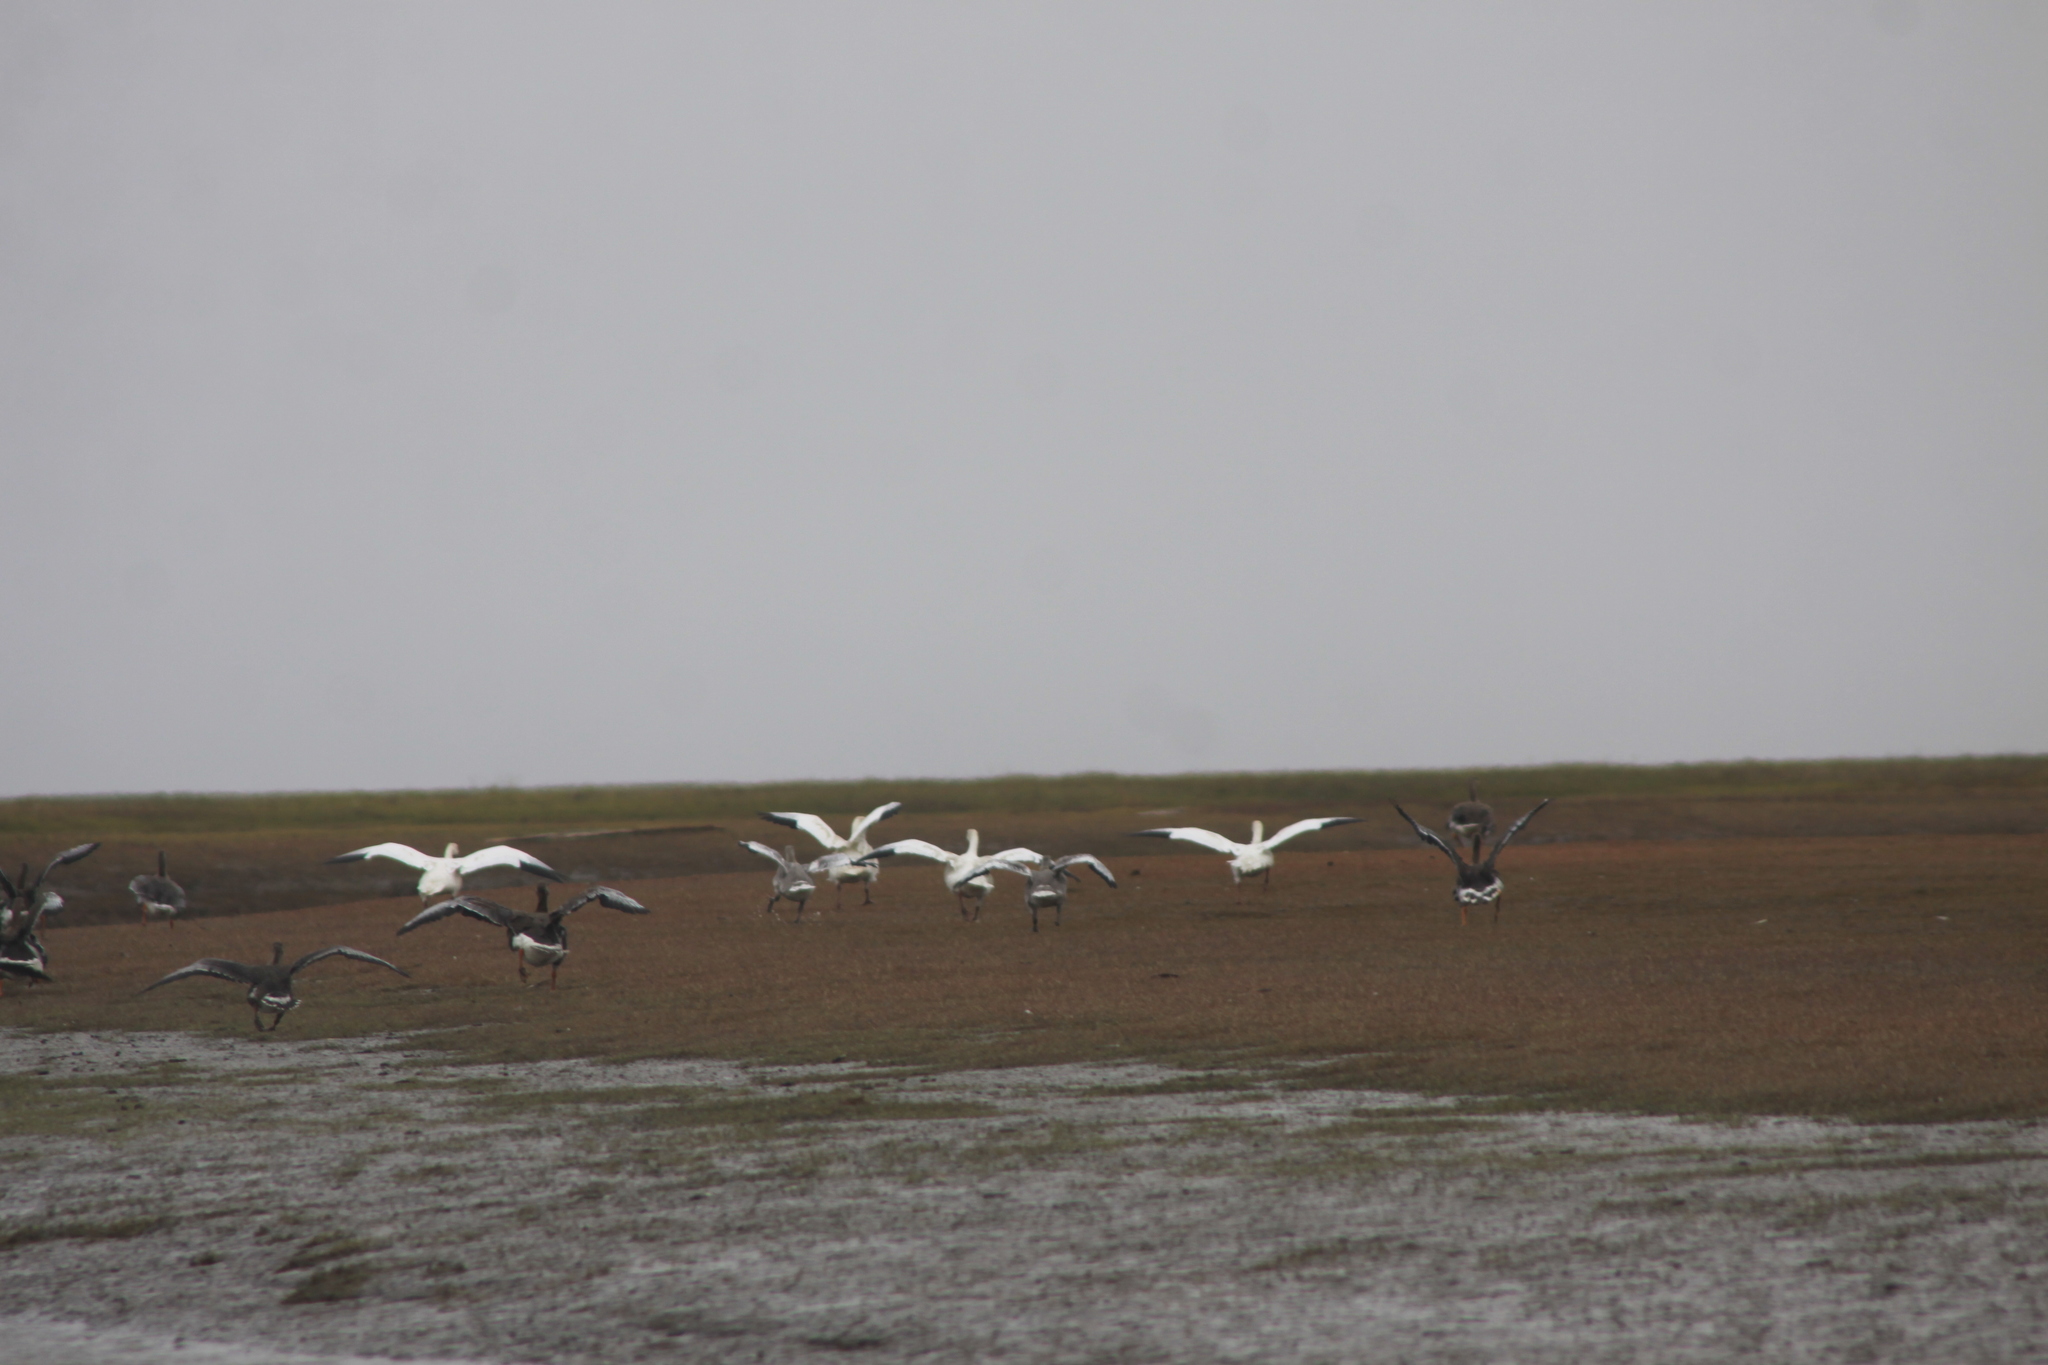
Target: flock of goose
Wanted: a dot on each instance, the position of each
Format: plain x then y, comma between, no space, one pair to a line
540,938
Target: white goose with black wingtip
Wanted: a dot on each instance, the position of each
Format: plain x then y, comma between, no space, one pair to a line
854,867
443,876
1252,859
961,873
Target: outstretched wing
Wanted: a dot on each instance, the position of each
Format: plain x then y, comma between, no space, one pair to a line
996,864
356,954
498,855
773,855
1513,830
1087,860
871,819
397,853
69,855
605,896
207,966
807,824
1188,834
914,848
1430,836
476,907
1020,855
828,861
1305,826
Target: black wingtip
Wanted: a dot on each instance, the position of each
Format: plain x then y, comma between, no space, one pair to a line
1150,834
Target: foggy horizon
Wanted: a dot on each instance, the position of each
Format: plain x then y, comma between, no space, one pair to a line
417,398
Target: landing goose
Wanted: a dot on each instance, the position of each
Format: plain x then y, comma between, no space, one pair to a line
1046,880
1254,858
794,881
537,938
1478,883
22,955
854,867
960,874
159,896
443,876
1471,818
270,987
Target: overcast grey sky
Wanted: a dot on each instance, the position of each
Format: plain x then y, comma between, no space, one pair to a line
427,395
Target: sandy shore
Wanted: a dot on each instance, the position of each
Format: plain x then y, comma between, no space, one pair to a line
244,1202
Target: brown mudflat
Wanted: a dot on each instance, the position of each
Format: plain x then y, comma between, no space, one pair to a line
1875,976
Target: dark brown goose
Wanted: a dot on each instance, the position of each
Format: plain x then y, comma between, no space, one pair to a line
270,986
1471,819
22,955
537,938
1045,879
159,896
1478,883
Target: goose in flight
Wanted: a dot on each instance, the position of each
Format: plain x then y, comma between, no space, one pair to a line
1254,858
270,987
443,876
159,896
794,881
1046,879
22,955
537,938
962,874
854,868
1478,883
1471,818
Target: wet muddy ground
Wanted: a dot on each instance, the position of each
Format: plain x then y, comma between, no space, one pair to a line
171,1196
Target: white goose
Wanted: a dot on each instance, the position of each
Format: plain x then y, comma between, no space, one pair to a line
962,876
442,876
1254,858
854,846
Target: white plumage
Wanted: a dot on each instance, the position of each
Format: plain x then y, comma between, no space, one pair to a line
962,876
1256,857
442,876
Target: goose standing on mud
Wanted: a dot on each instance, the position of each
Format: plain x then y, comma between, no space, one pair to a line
1478,883
962,876
443,876
1254,858
537,938
159,896
793,880
1046,880
855,867
22,955
1471,818
270,987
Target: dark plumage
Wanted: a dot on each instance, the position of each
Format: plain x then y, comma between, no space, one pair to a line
1471,819
159,896
1045,883
270,986
538,938
1478,883
22,955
